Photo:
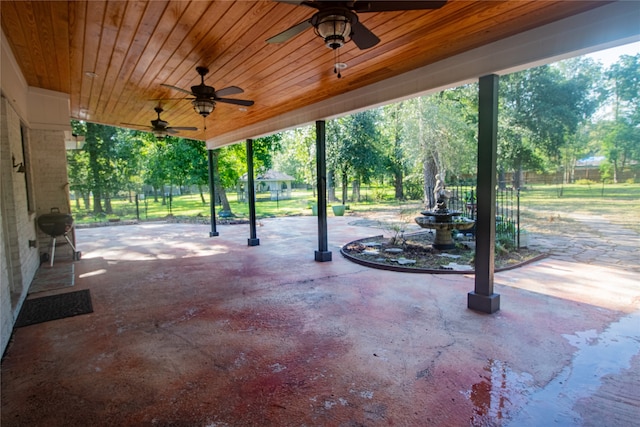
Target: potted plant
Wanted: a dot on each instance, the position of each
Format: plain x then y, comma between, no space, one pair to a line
338,210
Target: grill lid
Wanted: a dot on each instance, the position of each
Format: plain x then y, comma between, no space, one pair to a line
55,223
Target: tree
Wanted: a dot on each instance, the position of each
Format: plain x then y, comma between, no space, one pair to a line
186,163
78,169
230,162
394,143
336,152
620,136
128,161
443,128
620,143
199,167
296,156
542,110
353,149
218,182
100,148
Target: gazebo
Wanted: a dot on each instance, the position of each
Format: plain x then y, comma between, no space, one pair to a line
277,183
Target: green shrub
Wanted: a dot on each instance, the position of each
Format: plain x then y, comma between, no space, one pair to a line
413,187
585,182
379,194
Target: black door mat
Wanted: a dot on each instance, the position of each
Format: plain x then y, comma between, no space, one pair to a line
53,307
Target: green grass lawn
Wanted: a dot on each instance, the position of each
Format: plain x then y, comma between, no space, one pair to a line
190,205
618,203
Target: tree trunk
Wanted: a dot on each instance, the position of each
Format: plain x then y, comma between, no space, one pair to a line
429,171
355,195
220,191
107,204
502,179
97,204
398,185
331,185
204,202
344,182
517,177
155,194
87,200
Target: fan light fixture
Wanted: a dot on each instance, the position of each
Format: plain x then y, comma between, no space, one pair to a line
160,134
204,106
334,29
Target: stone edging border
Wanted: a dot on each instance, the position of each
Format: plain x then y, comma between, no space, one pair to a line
399,268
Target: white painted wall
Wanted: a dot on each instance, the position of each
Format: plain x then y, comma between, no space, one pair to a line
20,262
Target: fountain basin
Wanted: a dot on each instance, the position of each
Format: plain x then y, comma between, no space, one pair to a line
443,227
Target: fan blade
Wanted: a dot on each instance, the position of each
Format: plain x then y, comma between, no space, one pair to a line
176,128
300,3
244,102
231,90
291,32
392,6
172,131
363,37
177,88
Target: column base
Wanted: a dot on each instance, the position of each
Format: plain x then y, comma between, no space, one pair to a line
253,242
323,256
484,303
213,234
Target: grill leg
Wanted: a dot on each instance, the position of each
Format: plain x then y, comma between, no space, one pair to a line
66,236
53,250
76,254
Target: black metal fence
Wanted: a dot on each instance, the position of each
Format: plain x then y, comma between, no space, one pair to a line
464,199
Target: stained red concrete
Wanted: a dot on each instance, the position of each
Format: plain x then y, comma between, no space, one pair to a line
189,330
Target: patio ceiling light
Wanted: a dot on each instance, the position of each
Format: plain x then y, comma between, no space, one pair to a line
203,106
335,29
160,134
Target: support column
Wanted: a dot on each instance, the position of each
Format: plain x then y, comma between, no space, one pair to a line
212,196
482,298
251,194
322,254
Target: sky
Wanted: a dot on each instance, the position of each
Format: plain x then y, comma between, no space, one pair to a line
610,56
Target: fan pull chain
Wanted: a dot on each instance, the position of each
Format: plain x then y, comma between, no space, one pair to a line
336,60
204,129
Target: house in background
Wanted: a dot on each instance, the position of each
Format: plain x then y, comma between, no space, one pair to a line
278,184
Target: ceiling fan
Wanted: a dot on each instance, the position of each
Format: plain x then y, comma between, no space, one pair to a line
337,21
205,97
161,128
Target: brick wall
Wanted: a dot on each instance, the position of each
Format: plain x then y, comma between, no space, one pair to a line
6,312
19,261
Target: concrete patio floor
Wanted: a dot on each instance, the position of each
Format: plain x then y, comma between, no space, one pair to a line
189,330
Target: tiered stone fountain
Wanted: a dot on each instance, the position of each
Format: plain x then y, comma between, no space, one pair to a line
443,220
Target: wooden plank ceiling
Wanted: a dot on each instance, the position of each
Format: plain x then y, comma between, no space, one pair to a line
111,57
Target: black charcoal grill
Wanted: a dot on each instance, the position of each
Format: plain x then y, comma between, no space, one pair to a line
57,224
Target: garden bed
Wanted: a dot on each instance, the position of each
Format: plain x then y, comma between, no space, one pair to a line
416,255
